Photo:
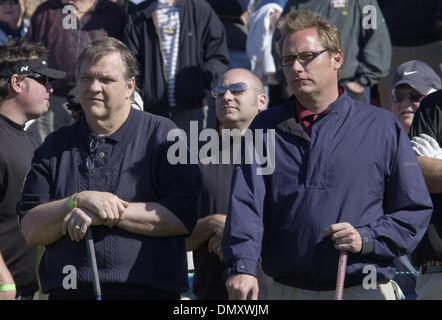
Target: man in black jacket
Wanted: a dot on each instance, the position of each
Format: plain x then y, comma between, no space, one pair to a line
181,47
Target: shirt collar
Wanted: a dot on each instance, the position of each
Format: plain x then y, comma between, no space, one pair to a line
13,124
302,112
117,136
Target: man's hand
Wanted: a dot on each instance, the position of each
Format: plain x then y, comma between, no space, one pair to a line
215,246
77,221
106,206
426,146
6,278
354,87
239,286
345,237
274,17
244,18
218,222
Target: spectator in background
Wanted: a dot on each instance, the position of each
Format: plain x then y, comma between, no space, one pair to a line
416,34
31,6
413,80
65,35
12,21
239,97
365,42
234,15
24,95
262,23
181,48
426,133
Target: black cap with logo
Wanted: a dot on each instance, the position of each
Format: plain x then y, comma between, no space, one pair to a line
32,66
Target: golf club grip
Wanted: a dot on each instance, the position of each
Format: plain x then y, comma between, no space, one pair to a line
342,265
93,263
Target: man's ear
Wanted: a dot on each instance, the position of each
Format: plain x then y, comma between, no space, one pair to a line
17,85
130,87
337,59
262,102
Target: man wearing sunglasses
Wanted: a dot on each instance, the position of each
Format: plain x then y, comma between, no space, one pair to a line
345,179
24,95
413,80
239,97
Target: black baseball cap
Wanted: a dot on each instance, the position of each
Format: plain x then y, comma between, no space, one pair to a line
32,66
417,74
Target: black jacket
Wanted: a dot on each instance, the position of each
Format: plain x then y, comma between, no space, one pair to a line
202,56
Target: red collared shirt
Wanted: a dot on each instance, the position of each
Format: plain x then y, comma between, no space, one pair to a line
306,117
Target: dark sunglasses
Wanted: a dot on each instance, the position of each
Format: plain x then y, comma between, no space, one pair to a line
43,80
235,89
302,57
412,96
10,2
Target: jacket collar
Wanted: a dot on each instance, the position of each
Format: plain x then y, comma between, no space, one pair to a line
288,122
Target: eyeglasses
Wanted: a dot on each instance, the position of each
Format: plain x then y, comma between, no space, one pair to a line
235,89
43,80
302,57
90,161
412,96
10,2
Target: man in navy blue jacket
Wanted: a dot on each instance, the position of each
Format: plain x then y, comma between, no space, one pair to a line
345,179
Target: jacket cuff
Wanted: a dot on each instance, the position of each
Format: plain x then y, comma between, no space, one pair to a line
243,266
367,241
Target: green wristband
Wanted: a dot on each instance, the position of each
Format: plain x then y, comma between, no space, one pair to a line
71,204
7,287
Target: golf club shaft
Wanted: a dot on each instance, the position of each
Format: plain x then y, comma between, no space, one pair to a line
342,265
93,263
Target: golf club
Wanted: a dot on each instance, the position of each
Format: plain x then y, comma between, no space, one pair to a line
93,263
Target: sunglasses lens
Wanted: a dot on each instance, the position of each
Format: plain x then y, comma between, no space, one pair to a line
397,98
414,97
217,91
237,88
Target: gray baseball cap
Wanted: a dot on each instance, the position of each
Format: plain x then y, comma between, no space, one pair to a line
418,75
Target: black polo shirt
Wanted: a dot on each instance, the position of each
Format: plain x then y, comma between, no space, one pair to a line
132,164
211,274
16,151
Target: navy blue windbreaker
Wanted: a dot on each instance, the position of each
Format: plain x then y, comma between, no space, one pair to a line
357,167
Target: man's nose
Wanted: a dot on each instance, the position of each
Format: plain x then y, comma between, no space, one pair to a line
228,95
297,65
94,85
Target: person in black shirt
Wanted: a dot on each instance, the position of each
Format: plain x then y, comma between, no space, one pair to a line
239,97
426,134
24,95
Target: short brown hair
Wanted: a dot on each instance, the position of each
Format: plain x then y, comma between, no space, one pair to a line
100,48
328,34
14,52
